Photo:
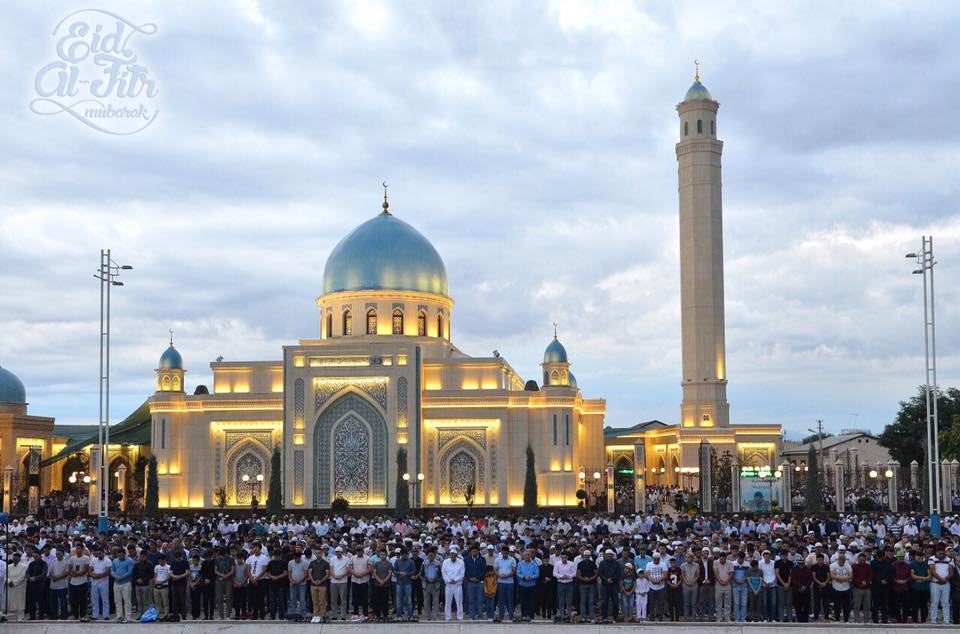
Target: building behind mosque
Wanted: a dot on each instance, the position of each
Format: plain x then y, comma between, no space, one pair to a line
383,378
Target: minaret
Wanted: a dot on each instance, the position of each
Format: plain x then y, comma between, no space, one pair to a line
701,262
170,370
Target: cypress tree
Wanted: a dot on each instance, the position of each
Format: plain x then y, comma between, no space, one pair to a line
813,501
151,499
275,491
403,489
530,485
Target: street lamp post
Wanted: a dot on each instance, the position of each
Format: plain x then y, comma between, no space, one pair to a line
254,484
107,274
924,259
413,484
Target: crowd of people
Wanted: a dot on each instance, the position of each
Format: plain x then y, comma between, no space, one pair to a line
586,567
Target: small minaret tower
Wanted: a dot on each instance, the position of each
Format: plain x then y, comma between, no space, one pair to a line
556,367
170,370
704,401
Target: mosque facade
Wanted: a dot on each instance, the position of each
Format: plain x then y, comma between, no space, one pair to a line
383,378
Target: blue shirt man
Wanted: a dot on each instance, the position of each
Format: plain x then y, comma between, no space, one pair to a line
527,569
506,567
122,569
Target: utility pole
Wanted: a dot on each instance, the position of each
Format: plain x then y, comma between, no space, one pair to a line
107,273
822,466
925,261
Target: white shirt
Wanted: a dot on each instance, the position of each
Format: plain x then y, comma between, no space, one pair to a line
452,571
99,566
257,564
338,569
564,572
162,573
769,572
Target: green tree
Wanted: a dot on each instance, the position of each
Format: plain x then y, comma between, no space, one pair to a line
950,440
275,490
470,494
815,437
340,505
813,500
906,436
530,485
403,489
151,500
140,471
220,496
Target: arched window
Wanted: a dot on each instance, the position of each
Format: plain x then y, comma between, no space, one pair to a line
371,322
686,128
713,127
176,383
347,323
554,378
440,325
329,325
397,321
422,324
165,384
699,126
563,377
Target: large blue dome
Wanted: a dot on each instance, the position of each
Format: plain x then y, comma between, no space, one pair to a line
555,352
171,359
698,91
11,388
385,253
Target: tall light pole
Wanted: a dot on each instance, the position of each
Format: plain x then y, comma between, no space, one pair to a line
924,259
107,274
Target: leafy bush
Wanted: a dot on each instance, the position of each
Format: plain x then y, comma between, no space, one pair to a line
340,505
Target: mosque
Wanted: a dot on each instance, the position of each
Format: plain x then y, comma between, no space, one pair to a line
382,396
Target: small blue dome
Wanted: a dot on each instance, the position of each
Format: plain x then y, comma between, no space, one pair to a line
385,253
171,359
572,380
698,91
555,352
11,388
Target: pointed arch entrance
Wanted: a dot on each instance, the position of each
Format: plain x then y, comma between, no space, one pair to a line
351,452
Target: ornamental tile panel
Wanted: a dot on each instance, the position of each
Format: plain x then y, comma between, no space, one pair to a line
402,402
231,438
375,387
298,463
298,404
448,434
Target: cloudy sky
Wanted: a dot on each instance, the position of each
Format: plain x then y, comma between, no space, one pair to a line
533,143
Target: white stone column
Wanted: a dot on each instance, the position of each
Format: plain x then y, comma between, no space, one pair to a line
706,477
639,477
838,485
946,486
611,499
787,478
93,497
914,474
893,486
122,486
735,486
7,487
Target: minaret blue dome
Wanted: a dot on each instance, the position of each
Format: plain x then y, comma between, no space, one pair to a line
555,352
171,359
11,388
572,380
385,253
698,91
